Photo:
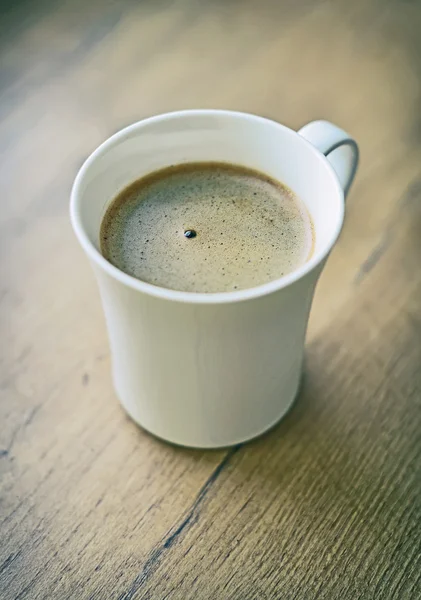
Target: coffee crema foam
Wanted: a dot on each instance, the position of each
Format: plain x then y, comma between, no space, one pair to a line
246,229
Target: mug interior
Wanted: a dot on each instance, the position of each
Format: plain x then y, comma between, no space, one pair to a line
207,135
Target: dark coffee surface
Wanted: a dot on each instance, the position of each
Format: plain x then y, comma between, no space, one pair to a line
206,227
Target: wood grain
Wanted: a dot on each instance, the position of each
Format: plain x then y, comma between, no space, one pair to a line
326,506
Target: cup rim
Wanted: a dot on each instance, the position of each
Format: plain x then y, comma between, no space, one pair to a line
195,297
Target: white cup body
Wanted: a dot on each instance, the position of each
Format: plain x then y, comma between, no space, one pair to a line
207,370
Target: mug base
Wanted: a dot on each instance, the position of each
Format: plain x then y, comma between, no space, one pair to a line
210,445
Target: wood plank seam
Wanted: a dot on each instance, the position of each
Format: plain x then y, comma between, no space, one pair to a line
156,555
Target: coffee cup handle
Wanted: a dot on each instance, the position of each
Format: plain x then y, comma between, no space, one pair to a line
338,147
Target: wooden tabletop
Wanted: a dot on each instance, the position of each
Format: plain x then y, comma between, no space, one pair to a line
328,504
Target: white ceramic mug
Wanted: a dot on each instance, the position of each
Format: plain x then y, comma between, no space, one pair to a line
210,370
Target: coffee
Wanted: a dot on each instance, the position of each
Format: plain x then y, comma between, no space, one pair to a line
206,227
